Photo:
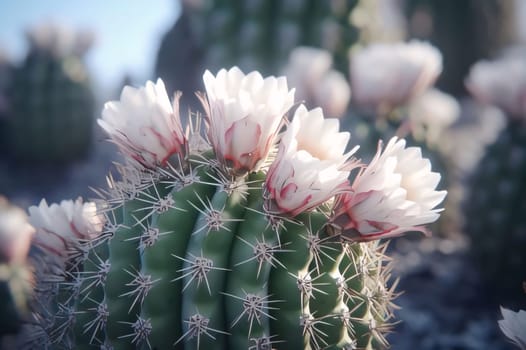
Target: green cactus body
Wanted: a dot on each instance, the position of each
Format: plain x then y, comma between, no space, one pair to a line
208,265
253,34
125,260
51,109
175,227
494,210
91,306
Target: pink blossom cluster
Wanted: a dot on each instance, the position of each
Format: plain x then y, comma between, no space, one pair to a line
306,159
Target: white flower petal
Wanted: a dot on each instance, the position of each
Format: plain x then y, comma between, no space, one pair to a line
306,174
491,82
63,227
235,100
144,125
513,325
394,194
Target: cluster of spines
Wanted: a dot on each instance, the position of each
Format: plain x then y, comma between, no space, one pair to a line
194,257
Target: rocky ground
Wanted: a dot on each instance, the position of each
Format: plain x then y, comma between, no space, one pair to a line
444,305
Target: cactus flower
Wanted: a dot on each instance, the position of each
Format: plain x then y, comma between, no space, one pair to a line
61,228
309,72
244,114
385,76
144,125
489,82
15,233
513,325
394,194
311,165
333,94
305,70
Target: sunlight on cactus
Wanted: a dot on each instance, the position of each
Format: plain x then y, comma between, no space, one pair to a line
142,124
237,243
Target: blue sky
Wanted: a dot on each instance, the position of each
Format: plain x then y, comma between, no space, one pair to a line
128,32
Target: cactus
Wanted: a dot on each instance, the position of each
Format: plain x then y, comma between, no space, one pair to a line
6,69
226,242
209,264
252,34
51,104
5,76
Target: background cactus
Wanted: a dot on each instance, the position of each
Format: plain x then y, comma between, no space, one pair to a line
482,31
50,117
494,207
6,69
494,210
252,35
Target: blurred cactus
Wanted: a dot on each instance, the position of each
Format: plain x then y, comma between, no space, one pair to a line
5,77
494,210
15,273
495,205
252,34
478,126
480,30
51,105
